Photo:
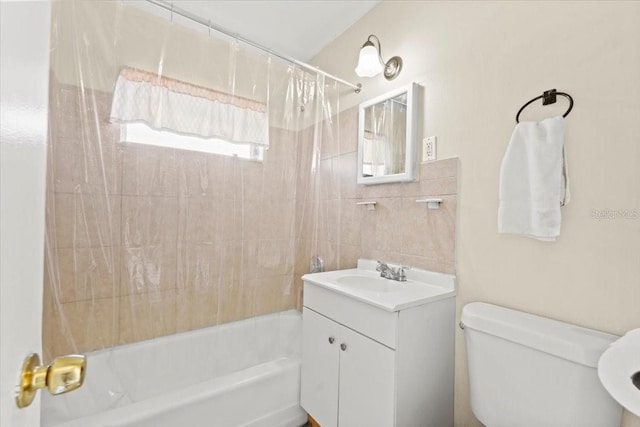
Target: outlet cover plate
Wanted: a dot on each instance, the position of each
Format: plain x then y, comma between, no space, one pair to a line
429,145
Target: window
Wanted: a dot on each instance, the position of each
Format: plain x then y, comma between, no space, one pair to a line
162,111
140,133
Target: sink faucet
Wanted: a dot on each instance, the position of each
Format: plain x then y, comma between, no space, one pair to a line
398,274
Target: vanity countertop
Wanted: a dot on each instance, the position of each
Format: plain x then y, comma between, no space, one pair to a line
365,284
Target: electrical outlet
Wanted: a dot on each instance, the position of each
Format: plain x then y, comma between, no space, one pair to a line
429,148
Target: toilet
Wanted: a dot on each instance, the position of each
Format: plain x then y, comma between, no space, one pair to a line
530,371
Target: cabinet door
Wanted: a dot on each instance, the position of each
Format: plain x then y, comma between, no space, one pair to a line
320,370
367,382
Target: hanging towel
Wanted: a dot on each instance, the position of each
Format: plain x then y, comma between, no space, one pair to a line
534,180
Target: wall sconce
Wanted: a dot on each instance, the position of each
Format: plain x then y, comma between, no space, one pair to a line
371,64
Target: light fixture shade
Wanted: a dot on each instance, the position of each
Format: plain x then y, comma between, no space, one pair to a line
369,64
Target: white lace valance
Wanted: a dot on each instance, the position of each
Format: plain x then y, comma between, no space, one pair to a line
167,104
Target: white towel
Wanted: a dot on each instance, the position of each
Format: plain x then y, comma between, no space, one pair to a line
534,180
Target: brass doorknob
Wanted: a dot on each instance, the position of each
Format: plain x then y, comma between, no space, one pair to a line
65,374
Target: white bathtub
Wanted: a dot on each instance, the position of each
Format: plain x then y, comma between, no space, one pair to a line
241,374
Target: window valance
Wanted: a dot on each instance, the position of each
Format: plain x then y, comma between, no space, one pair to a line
167,104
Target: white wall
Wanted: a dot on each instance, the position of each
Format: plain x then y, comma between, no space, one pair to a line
478,63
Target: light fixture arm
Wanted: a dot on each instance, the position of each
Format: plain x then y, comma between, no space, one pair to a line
393,66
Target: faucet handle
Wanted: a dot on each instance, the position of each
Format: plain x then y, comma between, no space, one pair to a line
402,269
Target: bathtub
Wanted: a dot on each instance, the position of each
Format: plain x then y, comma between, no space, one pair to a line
240,374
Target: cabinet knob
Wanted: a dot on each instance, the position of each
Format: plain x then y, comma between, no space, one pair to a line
343,347
331,340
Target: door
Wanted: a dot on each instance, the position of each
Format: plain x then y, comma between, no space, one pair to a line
320,368
367,382
24,62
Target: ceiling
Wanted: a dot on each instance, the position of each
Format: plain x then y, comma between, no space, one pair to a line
297,28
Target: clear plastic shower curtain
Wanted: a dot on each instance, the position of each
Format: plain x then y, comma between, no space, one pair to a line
144,241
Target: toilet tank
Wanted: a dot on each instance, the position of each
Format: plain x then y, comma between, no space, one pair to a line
530,371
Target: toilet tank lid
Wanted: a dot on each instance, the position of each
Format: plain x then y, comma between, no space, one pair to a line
571,342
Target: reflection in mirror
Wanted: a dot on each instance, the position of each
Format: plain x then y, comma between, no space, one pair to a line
386,138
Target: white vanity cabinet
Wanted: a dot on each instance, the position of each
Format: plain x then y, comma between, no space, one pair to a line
348,379
366,363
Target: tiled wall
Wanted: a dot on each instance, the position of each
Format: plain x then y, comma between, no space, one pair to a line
399,230
145,241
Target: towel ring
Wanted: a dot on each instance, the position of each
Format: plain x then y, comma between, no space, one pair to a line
548,97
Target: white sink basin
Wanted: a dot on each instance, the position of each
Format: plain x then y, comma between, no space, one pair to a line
365,284
370,284
617,367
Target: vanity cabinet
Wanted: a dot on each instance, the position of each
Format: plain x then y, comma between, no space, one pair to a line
348,378
366,366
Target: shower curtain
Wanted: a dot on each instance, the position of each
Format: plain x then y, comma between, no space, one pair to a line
145,239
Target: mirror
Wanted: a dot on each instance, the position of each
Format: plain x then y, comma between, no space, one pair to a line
386,137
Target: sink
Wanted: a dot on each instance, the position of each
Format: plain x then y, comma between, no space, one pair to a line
370,284
619,371
365,284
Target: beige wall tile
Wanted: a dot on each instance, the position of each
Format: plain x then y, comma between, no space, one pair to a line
236,299
82,326
349,131
330,137
85,220
389,220
441,266
329,251
199,266
237,259
149,171
66,102
277,219
197,219
250,212
87,273
275,257
306,219
282,146
329,220
439,169
351,221
149,220
196,308
431,187
229,220
89,163
347,169
196,176
427,232
242,178
251,182
379,190
146,316
148,269
279,178
368,222
274,294
302,257
349,255
386,256
329,178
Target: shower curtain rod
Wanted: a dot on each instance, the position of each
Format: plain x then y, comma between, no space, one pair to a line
178,11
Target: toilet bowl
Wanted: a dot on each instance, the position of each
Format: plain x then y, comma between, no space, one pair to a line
530,371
